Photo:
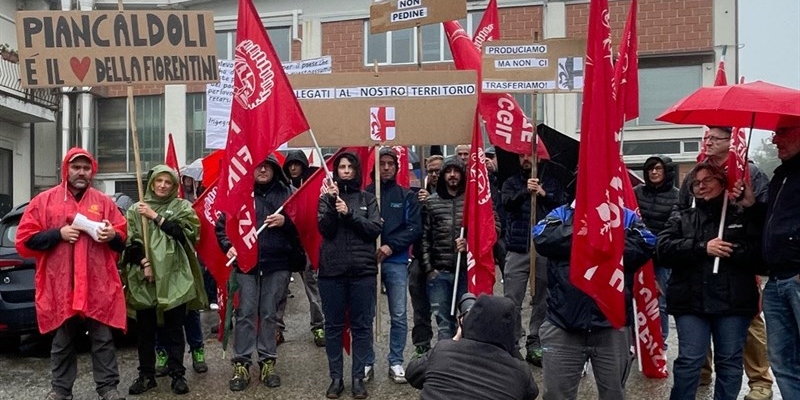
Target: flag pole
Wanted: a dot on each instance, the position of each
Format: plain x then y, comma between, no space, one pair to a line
377,179
721,225
534,174
138,163
455,278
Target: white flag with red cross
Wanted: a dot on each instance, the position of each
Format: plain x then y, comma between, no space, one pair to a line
381,123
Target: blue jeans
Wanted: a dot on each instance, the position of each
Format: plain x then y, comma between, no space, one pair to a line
440,291
358,295
194,332
694,334
395,278
781,305
662,278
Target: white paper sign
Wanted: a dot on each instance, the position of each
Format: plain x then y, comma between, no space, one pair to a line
219,95
88,226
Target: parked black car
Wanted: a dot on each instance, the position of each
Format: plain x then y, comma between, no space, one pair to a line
17,310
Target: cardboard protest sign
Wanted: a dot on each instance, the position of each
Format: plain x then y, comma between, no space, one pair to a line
522,66
399,108
393,15
100,48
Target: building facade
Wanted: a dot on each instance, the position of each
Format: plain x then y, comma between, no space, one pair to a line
680,43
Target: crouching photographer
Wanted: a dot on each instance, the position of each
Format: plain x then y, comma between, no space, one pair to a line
479,362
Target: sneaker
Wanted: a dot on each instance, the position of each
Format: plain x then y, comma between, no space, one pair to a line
534,356
111,394
141,385
420,351
319,337
279,339
199,360
369,373
241,377
759,393
161,363
179,385
268,376
53,395
397,374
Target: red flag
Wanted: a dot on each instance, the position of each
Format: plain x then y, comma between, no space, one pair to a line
480,225
626,70
737,157
505,122
212,164
208,249
264,115
172,162
719,80
489,27
403,178
648,316
599,238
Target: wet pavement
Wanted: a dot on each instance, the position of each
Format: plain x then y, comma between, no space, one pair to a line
302,366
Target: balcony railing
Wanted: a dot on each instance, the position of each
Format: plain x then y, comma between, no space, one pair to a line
10,86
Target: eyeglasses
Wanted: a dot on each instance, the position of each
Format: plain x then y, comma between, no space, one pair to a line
707,181
657,168
717,138
433,172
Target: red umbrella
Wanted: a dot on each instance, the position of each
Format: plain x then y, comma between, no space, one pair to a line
758,104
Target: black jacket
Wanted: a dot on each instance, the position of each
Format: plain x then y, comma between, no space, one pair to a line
274,244
480,365
693,287
781,238
442,217
348,241
759,179
568,307
400,211
517,204
656,202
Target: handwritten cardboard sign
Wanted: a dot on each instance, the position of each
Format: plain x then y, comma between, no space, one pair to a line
522,66
427,108
393,15
100,48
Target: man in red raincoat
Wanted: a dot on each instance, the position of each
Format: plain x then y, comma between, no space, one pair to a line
75,232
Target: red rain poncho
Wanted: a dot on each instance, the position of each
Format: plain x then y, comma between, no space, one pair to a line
74,279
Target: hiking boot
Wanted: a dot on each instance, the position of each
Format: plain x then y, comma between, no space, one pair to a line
53,395
759,393
111,394
319,337
369,373
141,385
420,351
279,337
534,356
199,360
268,376
179,385
241,377
161,363
397,374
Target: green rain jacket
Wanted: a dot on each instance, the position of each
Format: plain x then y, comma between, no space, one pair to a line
178,277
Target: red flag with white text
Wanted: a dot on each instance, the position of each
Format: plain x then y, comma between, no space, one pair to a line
719,80
737,168
479,221
489,27
650,349
172,162
264,115
505,121
626,70
599,237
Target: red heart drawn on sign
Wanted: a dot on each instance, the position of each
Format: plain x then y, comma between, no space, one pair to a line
80,67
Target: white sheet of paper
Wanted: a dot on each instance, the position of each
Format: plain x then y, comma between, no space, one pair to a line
84,224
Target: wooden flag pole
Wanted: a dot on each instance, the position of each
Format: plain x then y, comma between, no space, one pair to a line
534,174
138,163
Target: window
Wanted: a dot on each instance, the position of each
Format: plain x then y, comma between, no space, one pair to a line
643,148
281,39
195,127
6,181
661,87
114,148
400,47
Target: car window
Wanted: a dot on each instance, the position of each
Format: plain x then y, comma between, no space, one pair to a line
8,233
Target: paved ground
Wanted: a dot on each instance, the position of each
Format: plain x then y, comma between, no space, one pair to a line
303,368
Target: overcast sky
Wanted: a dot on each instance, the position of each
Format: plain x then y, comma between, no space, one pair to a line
770,33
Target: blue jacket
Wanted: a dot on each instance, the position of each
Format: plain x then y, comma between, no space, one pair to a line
402,223
568,307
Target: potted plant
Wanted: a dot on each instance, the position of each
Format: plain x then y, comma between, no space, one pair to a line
8,53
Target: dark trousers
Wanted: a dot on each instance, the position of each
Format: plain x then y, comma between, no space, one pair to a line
172,340
64,361
422,332
356,294
192,328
